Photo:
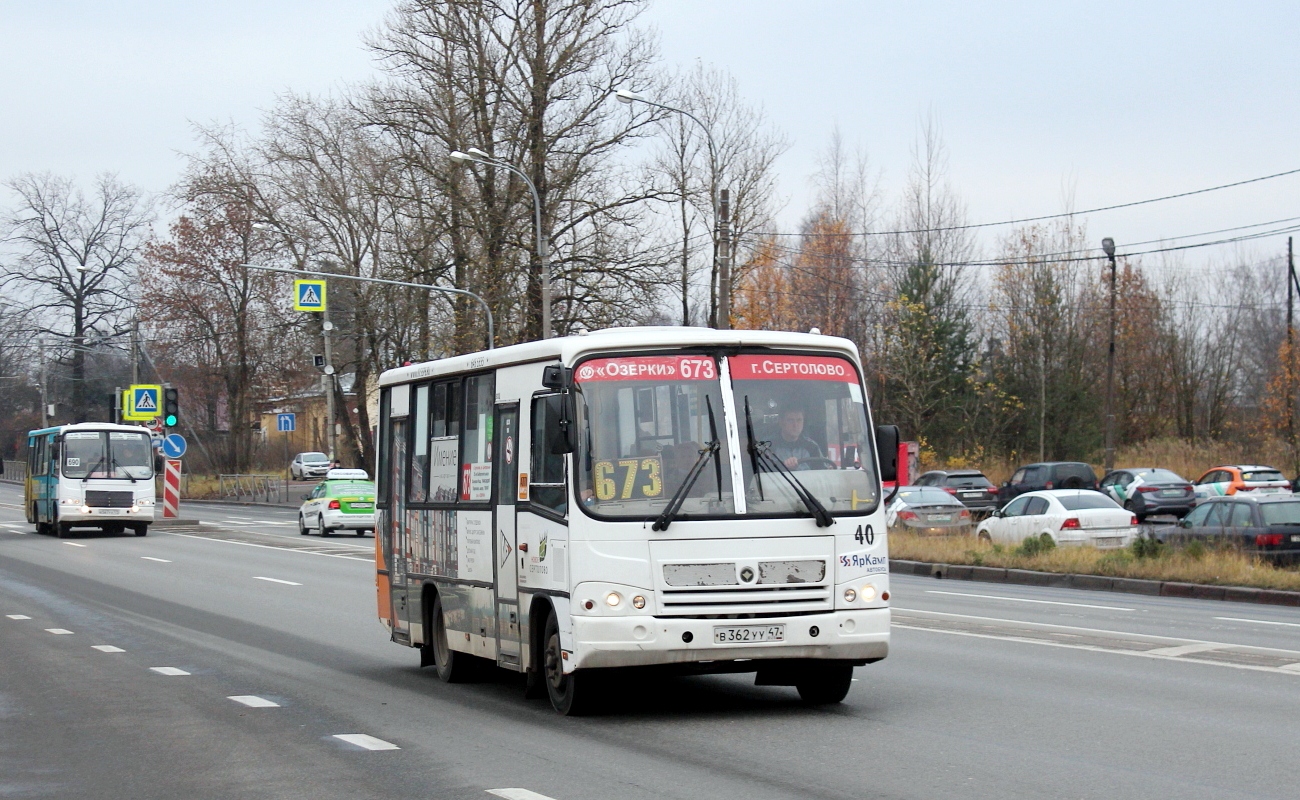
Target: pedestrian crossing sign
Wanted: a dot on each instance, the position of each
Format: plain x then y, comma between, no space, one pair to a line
309,295
142,402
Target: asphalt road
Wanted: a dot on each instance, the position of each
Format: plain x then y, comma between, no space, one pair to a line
990,691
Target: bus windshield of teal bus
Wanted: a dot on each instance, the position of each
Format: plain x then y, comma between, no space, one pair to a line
117,455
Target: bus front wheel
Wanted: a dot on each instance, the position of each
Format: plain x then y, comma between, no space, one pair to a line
453,667
571,695
63,529
825,683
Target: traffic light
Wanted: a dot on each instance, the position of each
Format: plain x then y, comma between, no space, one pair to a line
171,407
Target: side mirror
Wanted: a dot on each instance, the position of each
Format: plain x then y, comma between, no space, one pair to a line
1184,523
556,377
305,497
887,449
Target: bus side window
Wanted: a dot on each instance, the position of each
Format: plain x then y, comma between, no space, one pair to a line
547,485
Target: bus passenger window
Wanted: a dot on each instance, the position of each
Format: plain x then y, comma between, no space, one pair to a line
547,484
476,440
420,447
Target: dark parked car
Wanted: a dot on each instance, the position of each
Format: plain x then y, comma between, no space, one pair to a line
1049,475
1263,525
1147,491
970,486
927,510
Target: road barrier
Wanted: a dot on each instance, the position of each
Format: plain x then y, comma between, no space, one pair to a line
252,488
15,472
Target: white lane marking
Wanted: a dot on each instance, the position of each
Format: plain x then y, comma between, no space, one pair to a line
107,648
59,631
518,794
74,544
169,671
370,560
271,522
1026,600
1260,621
1291,667
367,741
159,560
275,580
17,616
253,701
1183,649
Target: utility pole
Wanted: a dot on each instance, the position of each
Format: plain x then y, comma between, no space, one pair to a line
45,373
135,351
1290,355
1108,245
724,260
328,380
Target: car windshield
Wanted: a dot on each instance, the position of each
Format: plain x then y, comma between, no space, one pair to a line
315,458
1159,476
349,488
967,481
1287,513
808,413
121,455
1262,475
1076,502
926,497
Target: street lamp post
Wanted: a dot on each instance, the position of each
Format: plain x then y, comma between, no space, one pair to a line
1108,246
721,252
473,155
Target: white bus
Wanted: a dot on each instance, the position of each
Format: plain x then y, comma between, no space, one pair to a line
90,475
704,500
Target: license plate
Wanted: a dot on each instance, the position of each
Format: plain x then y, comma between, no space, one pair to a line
1171,492
1108,541
941,517
971,494
361,505
1269,490
108,511
1295,538
749,633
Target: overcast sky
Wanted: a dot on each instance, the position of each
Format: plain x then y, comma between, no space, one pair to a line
1121,101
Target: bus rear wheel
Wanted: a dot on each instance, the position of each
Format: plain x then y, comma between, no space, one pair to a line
571,695
825,683
452,667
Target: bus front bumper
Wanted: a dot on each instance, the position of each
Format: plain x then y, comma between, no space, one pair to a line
93,515
628,641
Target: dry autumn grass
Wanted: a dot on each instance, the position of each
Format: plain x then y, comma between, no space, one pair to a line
1208,566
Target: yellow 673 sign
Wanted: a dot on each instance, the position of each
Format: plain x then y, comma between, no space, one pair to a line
629,478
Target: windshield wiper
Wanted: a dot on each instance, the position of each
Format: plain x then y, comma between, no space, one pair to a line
91,471
114,467
665,519
815,507
753,449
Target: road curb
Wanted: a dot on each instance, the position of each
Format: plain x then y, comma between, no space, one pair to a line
236,503
1100,583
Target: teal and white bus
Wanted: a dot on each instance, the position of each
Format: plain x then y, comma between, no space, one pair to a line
90,475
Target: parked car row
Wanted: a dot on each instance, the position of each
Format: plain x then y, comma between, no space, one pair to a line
1246,506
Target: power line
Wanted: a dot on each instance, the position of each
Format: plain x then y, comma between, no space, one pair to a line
1045,217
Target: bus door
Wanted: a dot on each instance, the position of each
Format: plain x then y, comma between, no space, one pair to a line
507,446
396,533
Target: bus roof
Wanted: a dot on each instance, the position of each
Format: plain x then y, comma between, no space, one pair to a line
89,426
568,349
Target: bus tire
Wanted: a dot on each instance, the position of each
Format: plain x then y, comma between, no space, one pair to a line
825,683
63,529
141,530
571,695
452,667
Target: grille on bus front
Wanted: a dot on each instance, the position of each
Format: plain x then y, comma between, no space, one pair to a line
108,499
718,590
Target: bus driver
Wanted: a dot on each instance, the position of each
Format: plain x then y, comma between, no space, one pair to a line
792,446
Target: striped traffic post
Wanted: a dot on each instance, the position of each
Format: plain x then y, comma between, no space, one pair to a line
172,489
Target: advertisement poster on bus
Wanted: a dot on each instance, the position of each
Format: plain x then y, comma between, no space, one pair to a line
444,455
474,545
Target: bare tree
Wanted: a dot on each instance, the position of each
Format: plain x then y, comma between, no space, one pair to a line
74,259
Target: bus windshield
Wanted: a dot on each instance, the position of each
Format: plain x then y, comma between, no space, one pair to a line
807,413
645,422
107,454
648,423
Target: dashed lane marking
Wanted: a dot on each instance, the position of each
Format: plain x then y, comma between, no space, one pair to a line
253,701
169,671
17,616
74,544
518,794
275,580
59,631
1260,621
366,741
107,648
297,549
159,560
1027,600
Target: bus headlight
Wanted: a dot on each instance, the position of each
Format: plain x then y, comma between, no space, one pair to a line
613,599
69,501
868,593
638,602
850,595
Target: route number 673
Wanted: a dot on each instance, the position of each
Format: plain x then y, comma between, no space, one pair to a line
865,534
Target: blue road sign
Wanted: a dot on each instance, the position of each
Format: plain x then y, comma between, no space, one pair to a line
174,445
286,423
144,400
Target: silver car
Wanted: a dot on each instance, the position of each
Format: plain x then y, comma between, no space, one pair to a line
306,466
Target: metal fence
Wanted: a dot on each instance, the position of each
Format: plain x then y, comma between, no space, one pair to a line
252,488
15,471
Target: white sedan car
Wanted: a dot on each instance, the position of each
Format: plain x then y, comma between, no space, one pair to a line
1069,516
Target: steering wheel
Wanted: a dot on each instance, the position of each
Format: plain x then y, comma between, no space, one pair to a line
818,462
